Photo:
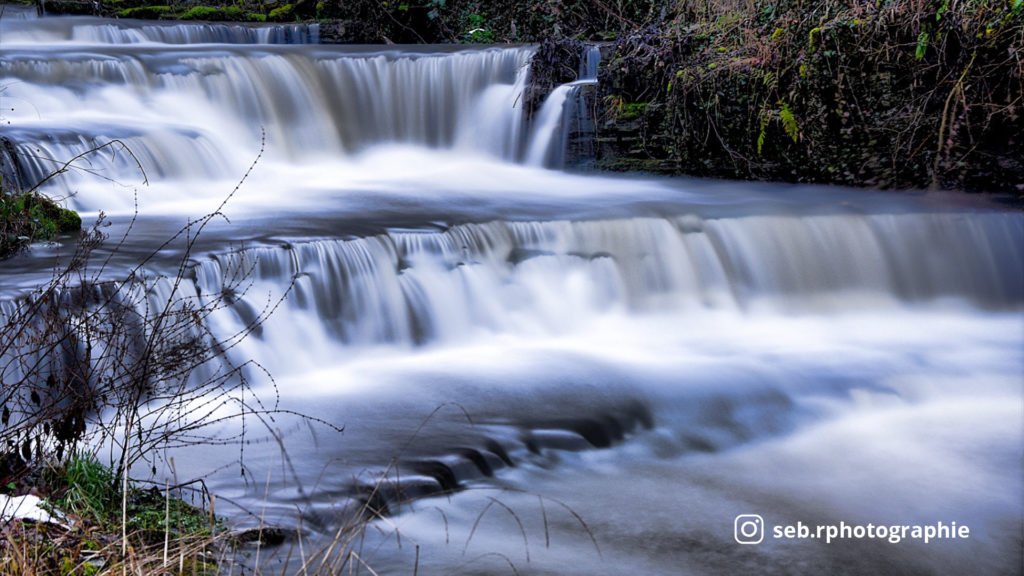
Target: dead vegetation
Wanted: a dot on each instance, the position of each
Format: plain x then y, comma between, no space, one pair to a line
894,94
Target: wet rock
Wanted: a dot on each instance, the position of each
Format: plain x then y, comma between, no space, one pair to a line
264,536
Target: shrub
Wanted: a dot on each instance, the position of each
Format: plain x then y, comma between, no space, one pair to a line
282,13
478,34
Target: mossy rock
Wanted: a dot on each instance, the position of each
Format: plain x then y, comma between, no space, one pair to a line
52,216
145,12
282,14
69,221
633,110
640,165
25,218
214,14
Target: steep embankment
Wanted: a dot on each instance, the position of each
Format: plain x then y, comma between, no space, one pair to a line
888,94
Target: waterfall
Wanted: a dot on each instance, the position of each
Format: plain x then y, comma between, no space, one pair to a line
589,63
564,118
403,259
78,30
544,278
192,115
546,147
16,12
179,111
179,108
412,287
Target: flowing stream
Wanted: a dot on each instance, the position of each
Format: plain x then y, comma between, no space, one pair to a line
537,371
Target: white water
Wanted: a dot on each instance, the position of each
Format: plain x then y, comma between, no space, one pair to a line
561,109
809,355
549,118
198,114
78,30
541,278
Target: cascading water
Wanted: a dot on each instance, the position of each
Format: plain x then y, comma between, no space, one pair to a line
566,108
546,277
196,104
657,355
73,30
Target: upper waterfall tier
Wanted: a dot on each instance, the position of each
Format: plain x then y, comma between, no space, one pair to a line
198,112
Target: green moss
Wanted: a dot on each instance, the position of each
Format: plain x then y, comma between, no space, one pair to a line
282,13
89,490
68,221
215,14
150,512
632,110
201,13
54,218
86,489
255,17
25,218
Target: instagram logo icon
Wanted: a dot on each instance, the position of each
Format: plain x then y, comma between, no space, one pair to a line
748,529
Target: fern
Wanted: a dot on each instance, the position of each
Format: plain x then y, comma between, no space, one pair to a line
765,117
789,124
785,115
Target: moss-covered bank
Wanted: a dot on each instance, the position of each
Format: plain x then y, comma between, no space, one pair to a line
105,530
31,217
891,94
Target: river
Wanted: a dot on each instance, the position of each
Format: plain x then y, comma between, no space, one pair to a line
538,370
